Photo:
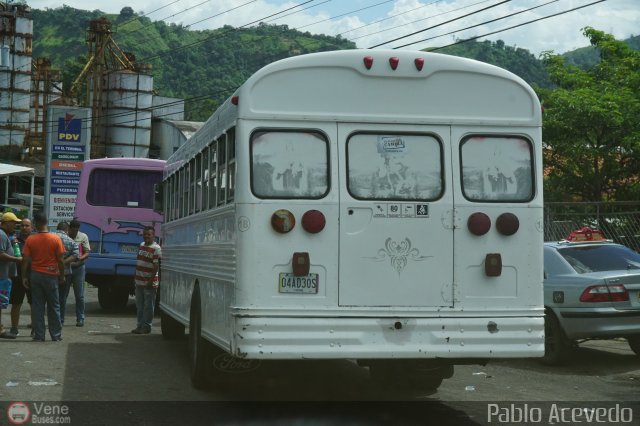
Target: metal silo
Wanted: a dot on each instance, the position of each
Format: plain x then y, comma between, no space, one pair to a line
128,114
16,34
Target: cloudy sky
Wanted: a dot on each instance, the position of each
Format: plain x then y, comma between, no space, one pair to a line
377,23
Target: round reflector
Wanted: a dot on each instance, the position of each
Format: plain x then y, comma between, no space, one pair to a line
283,221
507,224
479,223
313,221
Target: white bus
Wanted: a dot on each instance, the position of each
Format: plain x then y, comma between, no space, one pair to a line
374,205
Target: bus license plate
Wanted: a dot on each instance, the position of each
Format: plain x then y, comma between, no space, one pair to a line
289,283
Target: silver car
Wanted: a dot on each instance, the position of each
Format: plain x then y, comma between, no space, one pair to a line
591,291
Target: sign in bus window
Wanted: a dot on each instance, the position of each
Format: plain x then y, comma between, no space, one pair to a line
394,167
289,164
497,168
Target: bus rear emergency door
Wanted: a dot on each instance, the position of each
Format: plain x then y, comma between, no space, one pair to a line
396,230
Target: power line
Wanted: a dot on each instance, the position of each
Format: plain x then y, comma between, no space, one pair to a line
217,36
298,11
420,20
477,25
516,26
391,17
440,24
167,17
346,13
197,22
135,18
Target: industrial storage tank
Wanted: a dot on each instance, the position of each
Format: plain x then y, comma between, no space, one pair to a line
129,97
16,36
169,135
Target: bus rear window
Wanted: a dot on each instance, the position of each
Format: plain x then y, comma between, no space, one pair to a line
394,167
122,188
497,169
289,164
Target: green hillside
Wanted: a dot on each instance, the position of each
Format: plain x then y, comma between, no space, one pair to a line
204,67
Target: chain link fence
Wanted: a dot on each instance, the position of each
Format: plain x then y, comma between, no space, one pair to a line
620,221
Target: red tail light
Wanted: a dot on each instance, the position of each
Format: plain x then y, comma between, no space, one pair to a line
603,293
313,221
507,224
479,223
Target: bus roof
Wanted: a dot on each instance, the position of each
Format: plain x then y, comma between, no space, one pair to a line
436,89
120,161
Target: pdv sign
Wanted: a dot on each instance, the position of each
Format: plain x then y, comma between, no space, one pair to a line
69,128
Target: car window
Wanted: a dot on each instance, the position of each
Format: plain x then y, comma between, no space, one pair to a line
600,258
554,263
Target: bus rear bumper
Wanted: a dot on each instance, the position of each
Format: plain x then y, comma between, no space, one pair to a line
386,338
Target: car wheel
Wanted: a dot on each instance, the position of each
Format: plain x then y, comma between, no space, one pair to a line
556,344
634,344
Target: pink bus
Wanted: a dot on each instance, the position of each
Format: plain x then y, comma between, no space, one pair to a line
114,204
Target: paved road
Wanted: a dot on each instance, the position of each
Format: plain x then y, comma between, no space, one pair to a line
103,361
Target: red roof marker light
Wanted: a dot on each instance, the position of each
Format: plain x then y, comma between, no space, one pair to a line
368,62
394,61
419,63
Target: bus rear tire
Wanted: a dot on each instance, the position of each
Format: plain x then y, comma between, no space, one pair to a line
200,354
171,329
111,298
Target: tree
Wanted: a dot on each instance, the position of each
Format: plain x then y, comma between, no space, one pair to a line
591,129
126,13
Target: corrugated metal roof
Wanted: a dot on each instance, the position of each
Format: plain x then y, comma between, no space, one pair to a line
11,169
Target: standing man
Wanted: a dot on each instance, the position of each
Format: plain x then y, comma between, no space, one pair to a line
147,281
78,270
18,290
8,261
43,253
71,254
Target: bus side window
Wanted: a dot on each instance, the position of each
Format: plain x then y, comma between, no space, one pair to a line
222,170
197,184
158,198
192,186
185,192
205,178
174,196
231,161
179,180
213,173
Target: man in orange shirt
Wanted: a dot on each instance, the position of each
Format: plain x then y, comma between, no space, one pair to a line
43,255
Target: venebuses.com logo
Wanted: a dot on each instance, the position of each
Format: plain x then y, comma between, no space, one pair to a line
20,413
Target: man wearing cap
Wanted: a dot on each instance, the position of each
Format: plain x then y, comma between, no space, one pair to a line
8,261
